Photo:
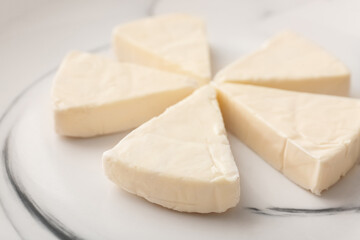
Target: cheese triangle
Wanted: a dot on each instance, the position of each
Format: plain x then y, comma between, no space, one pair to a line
93,95
290,62
180,159
175,43
312,139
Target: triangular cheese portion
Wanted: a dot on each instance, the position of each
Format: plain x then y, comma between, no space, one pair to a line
175,43
93,95
180,159
291,62
312,139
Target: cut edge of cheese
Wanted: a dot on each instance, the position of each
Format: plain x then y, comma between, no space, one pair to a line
291,132
180,160
291,62
186,54
93,95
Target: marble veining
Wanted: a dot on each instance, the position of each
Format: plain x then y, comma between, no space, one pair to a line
152,7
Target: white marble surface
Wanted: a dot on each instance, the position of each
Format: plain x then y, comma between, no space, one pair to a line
35,35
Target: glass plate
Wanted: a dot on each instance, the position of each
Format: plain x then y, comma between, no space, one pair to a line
54,186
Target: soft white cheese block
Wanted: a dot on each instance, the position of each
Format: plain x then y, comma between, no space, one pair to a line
312,139
291,62
93,95
180,160
174,42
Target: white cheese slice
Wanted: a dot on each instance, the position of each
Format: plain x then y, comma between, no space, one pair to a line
175,43
93,95
180,159
290,62
312,139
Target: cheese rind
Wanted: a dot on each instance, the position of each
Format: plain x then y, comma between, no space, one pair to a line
180,159
93,95
312,139
174,42
291,62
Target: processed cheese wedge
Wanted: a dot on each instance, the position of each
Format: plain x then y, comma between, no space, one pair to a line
175,43
180,159
312,139
93,95
290,62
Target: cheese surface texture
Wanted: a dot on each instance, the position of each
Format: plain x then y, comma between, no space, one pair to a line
290,62
312,139
180,160
175,43
93,95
